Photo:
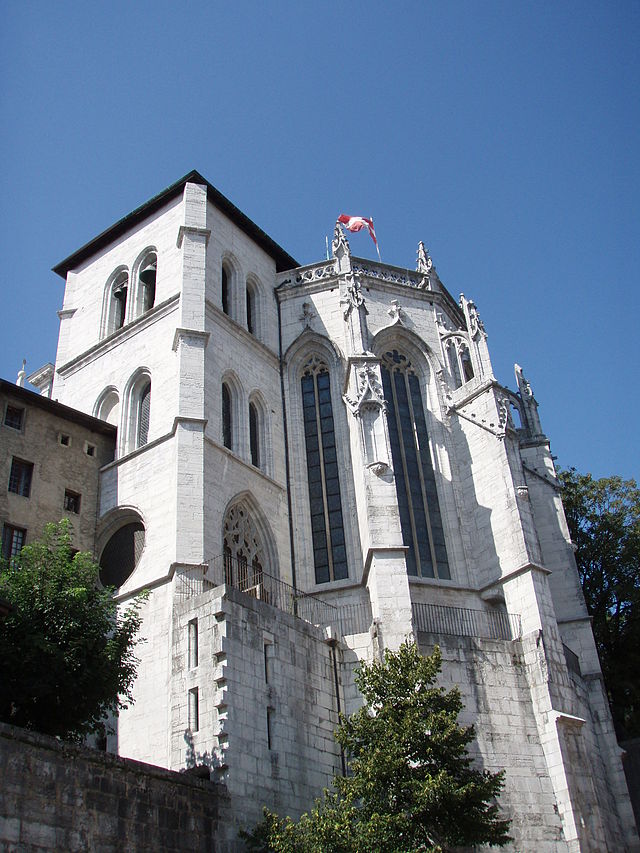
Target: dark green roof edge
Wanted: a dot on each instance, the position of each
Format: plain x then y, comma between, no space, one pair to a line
283,259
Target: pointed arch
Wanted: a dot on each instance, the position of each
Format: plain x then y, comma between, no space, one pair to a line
136,411
259,432
114,301
144,275
405,371
248,542
107,406
232,419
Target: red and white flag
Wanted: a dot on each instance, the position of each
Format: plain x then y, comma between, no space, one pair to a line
357,223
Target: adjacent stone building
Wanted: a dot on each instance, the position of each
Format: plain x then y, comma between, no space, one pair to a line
312,464
50,463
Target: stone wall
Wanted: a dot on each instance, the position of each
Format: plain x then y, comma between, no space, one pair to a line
58,796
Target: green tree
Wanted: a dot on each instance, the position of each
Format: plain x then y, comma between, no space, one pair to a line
604,522
411,785
66,655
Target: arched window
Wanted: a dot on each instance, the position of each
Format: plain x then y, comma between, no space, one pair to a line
227,424
454,367
226,290
252,299
122,551
147,277
465,360
254,436
108,407
143,415
459,360
119,298
325,504
244,556
416,489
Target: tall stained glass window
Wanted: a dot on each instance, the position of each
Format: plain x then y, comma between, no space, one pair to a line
327,528
415,481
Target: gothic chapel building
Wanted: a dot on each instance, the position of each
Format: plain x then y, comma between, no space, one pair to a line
314,463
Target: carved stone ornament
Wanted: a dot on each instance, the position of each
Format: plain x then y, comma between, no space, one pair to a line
353,298
523,385
368,389
307,314
379,468
241,537
424,266
395,312
476,325
340,244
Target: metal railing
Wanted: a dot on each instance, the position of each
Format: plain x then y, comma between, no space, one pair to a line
463,622
252,580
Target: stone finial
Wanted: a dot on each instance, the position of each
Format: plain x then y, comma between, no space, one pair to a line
340,245
529,402
22,374
424,263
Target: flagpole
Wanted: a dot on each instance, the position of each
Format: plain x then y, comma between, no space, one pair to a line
377,246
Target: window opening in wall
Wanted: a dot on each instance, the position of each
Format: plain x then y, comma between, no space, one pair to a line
20,477
147,277
121,554
454,367
327,528
243,553
12,541
90,449
267,662
119,295
226,301
14,417
226,415
194,710
270,712
465,360
251,310
193,643
254,435
71,501
64,439
144,414
418,504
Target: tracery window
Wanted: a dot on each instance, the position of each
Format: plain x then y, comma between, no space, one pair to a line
327,528
244,556
420,517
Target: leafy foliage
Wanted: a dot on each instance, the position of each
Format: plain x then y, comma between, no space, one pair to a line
604,522
411,786
66,655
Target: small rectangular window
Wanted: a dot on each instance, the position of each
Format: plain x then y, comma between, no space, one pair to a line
71,501
64,439
20,477
268,648
14,417
194,711
12,541
89,449
193,644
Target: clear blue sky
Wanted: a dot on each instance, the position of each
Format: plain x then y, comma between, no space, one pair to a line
503,134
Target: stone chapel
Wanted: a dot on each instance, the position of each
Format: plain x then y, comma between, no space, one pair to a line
312,464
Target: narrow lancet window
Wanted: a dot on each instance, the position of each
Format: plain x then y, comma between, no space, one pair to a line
327,528
144,414
226,416
416,489
225,295
254,435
